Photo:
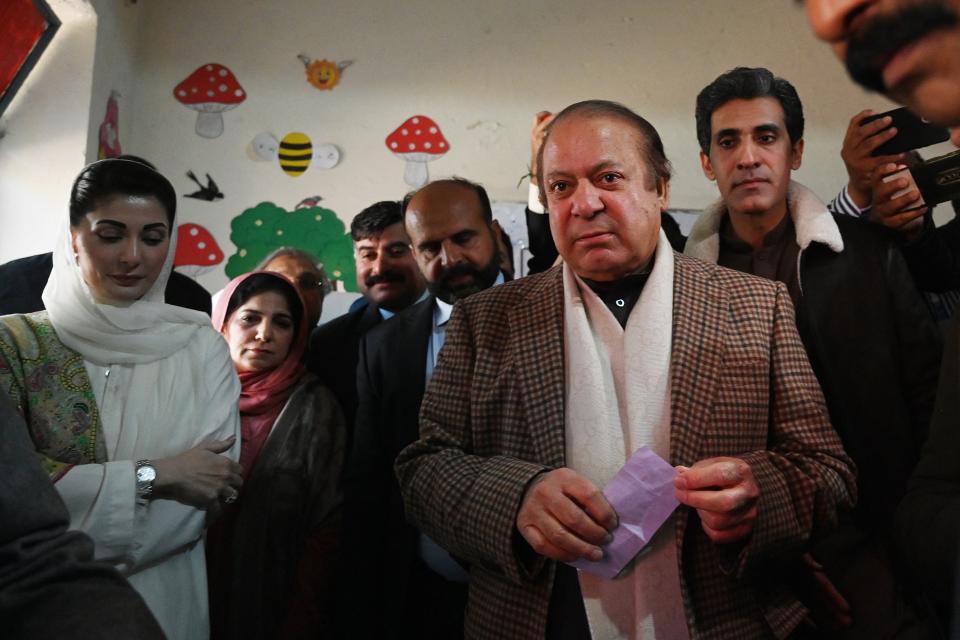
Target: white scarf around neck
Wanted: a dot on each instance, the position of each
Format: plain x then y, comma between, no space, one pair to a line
144,331
618,398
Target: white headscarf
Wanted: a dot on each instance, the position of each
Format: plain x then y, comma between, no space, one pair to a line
142,332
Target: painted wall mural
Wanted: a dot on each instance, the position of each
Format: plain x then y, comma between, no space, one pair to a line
210,90
261,229
197,250
324,74
417,141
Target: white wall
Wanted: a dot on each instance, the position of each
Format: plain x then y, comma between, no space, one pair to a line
45,141
115,68
481,69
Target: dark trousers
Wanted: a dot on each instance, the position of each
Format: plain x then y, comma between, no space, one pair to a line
435,606
566,616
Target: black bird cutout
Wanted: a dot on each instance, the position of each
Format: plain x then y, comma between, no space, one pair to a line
209,193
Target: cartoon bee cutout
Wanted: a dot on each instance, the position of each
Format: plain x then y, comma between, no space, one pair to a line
324,74
295,152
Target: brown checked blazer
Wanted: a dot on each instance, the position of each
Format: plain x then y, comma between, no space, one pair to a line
493,418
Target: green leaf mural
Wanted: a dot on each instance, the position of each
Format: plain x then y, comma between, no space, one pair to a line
261,229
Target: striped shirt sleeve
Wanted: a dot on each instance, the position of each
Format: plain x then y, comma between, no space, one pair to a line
843,204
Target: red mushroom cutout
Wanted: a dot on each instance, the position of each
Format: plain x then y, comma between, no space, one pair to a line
197,251
210,90
418,141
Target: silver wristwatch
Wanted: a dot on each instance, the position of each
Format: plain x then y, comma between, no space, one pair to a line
146,474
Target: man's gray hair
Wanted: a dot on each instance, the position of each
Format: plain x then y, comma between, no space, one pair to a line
303,256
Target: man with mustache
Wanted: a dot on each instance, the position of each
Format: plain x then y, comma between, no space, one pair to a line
910,51
415,587
871,342
388,277
547,385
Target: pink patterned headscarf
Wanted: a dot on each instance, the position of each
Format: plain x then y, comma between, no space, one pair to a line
263,393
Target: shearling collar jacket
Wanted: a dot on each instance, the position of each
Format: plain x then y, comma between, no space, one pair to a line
868,335
811,220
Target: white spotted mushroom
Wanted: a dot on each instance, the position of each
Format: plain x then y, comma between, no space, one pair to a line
197,251
417,141
210,90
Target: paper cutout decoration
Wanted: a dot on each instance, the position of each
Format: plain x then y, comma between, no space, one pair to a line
324,74
295,152
417,141
326,156
109,133
210,192
210,90
197,251
309,203
266,227
265,146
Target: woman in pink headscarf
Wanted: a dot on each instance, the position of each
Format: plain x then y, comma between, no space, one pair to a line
269,556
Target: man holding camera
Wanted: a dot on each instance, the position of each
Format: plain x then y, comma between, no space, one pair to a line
910,51
883,190
870,340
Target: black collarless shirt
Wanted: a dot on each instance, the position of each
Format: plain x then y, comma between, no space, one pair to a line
620,295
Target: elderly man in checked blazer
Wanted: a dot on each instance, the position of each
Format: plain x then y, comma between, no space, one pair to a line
548,384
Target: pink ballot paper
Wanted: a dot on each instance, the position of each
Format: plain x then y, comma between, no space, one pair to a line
642,495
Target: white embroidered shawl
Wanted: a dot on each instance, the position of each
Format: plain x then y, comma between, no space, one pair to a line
617,399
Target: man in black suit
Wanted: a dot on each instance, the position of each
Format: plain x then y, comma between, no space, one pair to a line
388,276
22,282
416,588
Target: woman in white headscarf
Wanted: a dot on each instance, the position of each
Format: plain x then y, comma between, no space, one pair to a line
131,403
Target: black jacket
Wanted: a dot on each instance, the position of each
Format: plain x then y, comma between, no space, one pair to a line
876,353
22,282
934,258
928,521
381,549
875,350
332,355
379,543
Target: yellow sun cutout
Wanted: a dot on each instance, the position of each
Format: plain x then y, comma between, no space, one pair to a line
323,74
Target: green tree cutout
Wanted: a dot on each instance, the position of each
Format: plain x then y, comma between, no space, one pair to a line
261,229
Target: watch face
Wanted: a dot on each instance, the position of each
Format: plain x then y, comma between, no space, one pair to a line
146,473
